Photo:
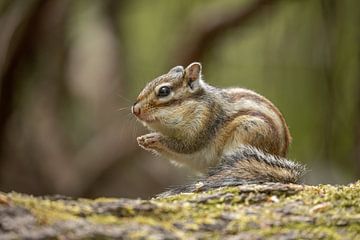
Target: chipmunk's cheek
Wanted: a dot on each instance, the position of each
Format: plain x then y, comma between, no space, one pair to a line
172,119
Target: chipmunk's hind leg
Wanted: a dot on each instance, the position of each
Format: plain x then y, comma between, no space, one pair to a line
255,131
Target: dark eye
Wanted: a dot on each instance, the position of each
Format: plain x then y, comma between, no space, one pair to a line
164,91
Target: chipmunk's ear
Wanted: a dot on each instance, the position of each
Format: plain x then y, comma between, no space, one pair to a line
177,69
193,75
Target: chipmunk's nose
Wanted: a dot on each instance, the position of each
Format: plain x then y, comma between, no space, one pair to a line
135,109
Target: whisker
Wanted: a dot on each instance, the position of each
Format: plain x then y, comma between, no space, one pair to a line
123,108
135,126
129,117
135,130
124,98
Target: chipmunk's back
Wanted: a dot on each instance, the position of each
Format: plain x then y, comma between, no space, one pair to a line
259,121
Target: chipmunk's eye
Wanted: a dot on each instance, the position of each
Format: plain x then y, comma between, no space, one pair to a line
164,91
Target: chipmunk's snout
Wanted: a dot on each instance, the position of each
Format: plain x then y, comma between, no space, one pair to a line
141,112
135,109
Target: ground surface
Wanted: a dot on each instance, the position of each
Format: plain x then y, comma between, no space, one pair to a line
271,211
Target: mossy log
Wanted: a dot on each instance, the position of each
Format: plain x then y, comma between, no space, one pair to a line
268,211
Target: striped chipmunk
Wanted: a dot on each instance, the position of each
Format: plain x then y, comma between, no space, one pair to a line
233,136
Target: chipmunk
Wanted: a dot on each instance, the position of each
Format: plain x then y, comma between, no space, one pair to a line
234,136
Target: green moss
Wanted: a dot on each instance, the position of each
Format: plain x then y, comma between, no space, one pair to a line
103,219
253,211
48,211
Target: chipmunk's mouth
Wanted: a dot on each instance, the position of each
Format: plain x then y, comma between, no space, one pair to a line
146,119
149,120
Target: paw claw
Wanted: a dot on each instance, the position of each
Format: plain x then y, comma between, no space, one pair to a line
149,141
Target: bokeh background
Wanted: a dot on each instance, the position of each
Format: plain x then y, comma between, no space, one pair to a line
70,70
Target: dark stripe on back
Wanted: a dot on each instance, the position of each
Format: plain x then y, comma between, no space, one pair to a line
260,99
260,115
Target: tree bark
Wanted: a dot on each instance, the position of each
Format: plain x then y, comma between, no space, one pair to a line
267,211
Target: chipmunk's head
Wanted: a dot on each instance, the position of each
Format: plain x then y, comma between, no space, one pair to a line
168,101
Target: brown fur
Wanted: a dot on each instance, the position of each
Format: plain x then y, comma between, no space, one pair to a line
197,125
260,99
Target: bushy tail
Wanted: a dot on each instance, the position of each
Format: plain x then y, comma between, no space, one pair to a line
248,165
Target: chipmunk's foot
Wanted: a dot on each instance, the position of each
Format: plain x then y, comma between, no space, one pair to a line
150,141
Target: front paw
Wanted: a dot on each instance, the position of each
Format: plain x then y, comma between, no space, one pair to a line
150,141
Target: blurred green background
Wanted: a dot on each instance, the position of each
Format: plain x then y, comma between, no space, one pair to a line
70,70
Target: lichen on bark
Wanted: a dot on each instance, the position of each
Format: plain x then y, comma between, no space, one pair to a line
268,211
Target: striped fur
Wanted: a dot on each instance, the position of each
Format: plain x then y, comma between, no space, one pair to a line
197,124
247,165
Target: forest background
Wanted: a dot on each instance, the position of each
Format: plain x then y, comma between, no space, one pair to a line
70,70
